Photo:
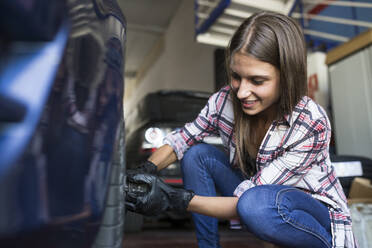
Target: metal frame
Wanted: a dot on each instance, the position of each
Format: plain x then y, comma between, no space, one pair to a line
221,17
217,12
334,39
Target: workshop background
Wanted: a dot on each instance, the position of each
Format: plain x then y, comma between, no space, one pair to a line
179,45
174,44
89,89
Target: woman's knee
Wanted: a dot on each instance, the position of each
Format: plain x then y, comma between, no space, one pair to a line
197,150
256,209
257,204
247,203
195,156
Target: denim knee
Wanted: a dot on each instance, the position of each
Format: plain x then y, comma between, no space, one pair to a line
248,207
195,156
273,213
256,208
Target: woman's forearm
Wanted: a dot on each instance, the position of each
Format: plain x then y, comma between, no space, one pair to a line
163,156
219,207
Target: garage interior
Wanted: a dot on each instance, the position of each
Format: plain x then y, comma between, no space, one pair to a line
179,45
89,89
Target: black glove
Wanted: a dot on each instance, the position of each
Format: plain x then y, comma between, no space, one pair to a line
149,195
143,196
146,167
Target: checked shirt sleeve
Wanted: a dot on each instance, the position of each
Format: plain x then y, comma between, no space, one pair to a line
194,132
290,163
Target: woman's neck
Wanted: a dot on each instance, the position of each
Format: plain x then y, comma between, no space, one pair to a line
268,115
258,129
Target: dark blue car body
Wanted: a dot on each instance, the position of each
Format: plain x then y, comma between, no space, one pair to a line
61,126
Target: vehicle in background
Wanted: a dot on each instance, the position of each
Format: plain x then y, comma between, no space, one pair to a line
61,119
156,115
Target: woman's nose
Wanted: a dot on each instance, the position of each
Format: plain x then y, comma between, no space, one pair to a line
245,89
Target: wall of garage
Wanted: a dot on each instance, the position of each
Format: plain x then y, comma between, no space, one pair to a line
182,63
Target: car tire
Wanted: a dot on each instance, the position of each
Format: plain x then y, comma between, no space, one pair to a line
111,231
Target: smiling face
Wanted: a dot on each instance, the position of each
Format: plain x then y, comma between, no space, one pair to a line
255,83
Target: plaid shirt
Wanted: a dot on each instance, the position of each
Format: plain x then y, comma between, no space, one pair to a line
294,152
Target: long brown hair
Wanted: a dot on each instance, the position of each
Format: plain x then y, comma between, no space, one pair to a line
278,40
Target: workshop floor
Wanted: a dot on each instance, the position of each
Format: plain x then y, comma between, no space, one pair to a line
182,237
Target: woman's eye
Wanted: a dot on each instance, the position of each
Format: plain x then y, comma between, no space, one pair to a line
258,81
235,76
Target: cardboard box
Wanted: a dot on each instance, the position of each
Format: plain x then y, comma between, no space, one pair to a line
360,191
360,203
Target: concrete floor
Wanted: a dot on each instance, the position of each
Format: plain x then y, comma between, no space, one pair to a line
181,237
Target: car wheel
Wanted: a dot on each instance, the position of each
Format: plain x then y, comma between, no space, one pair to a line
112,226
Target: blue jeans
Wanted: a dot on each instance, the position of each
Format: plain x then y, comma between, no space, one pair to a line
278,214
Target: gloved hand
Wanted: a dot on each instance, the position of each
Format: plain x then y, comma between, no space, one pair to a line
143,195
149,195
146,167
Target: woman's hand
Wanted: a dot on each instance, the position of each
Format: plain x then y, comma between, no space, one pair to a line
149,195
146,167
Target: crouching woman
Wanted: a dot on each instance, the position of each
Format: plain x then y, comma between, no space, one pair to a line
277,176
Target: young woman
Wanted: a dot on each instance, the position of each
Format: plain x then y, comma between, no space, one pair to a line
278,179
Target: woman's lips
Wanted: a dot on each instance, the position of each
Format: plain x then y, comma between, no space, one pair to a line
249,103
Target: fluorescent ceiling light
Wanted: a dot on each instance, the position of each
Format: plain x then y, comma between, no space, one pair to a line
326,35
213,39
340,3
334,20
223,30
238,13
229,21
273,5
